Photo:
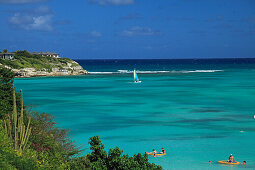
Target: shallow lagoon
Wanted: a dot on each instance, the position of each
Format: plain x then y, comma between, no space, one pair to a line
195,116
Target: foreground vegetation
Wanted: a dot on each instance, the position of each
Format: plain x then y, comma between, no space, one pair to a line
29,140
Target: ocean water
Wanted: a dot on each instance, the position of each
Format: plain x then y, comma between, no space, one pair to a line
195,109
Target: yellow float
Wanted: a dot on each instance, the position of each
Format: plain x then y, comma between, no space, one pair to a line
157,154
228,163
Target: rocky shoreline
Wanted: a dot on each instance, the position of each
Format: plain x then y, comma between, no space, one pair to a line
67,70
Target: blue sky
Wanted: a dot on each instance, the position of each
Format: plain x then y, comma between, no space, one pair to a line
134,29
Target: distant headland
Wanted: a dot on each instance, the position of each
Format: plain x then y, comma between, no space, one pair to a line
34,64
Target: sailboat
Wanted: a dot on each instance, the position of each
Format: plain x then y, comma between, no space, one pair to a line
136,80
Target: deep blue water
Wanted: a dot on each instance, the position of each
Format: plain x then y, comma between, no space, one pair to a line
167,64
195,109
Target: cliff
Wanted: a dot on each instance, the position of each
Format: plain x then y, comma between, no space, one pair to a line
26,64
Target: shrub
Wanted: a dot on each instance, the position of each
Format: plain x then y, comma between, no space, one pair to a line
115,160
52,144
10,159
6,99
80,163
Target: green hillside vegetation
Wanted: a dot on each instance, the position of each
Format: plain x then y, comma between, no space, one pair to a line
23,59
31,140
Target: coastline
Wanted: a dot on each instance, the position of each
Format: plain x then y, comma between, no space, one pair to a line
53,75
59,68
56,75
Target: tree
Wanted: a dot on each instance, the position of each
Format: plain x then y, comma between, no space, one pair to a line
80,163
115,160
6,100
5,51
98,156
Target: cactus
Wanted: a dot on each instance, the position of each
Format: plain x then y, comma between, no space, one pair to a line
15,126
15,116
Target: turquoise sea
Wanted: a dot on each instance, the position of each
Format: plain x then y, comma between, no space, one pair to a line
195,109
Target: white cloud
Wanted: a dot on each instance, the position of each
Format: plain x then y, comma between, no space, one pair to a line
20,1
139,31
39,19
113,2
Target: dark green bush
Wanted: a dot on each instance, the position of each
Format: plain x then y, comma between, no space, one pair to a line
80,163
115,160
6,99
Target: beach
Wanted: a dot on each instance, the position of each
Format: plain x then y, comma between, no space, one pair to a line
195,109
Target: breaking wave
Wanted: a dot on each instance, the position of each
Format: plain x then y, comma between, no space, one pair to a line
156,72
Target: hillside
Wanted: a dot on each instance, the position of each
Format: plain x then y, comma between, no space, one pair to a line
26,64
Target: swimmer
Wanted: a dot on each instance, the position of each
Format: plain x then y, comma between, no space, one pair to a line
154,152
163,150
231,158
244,162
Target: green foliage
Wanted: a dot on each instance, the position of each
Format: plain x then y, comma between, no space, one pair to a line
15,127
115,160
6,99
11,159
53,146
5,50
24,59
64,60
80,163
98,152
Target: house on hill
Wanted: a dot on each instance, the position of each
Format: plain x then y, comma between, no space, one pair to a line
7,56
47,54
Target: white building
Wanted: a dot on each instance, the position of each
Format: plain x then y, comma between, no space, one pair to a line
7,56
47,54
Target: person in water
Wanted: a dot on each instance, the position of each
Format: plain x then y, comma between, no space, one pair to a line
163,150
154,152
244,162
231,158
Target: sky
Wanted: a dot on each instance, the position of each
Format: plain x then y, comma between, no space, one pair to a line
130,29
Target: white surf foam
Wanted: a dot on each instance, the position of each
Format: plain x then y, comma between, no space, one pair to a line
156,72
102,72
125,71
204,71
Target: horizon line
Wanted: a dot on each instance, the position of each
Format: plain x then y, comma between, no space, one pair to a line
161,58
